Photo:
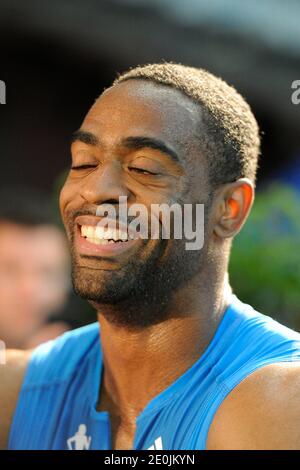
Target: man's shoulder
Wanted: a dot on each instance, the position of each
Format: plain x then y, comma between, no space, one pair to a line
11,378
50,363
13,371
254,322
249,340
57,359
261,412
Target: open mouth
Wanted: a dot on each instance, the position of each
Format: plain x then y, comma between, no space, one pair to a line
100,236
94,239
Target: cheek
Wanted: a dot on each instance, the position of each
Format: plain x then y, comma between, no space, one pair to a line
67,198
66,189
63,197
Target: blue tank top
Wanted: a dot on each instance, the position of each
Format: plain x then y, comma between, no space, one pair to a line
56,408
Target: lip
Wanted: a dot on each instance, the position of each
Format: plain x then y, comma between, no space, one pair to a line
83,246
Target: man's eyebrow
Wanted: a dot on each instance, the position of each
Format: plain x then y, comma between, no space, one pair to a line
140,142
85,137
135,143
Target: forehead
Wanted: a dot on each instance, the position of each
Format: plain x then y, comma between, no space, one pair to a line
140,107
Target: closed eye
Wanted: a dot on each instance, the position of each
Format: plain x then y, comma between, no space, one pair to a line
83,167
141,171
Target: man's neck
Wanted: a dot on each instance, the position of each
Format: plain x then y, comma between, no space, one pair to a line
139,364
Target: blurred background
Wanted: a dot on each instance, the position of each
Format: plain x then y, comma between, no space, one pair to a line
56,58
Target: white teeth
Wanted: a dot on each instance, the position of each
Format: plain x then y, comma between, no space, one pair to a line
99,235
90,232
99,232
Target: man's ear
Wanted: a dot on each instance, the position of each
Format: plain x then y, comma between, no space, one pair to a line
233,204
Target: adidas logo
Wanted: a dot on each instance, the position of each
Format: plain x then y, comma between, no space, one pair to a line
158,445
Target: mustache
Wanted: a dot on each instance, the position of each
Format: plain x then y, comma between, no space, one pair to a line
70,216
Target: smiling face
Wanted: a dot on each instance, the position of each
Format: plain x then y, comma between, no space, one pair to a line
138,141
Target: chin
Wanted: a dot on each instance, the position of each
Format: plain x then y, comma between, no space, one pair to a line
107,288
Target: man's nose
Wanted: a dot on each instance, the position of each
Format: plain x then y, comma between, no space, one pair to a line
106,184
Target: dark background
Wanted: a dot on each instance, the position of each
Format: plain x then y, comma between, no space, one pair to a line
57,56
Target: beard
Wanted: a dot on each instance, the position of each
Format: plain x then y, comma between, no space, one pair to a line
131,281
139,293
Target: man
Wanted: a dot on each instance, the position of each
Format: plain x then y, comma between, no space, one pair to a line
181,363
34,269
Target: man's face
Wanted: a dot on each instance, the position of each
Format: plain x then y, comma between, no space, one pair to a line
138,141
34,270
